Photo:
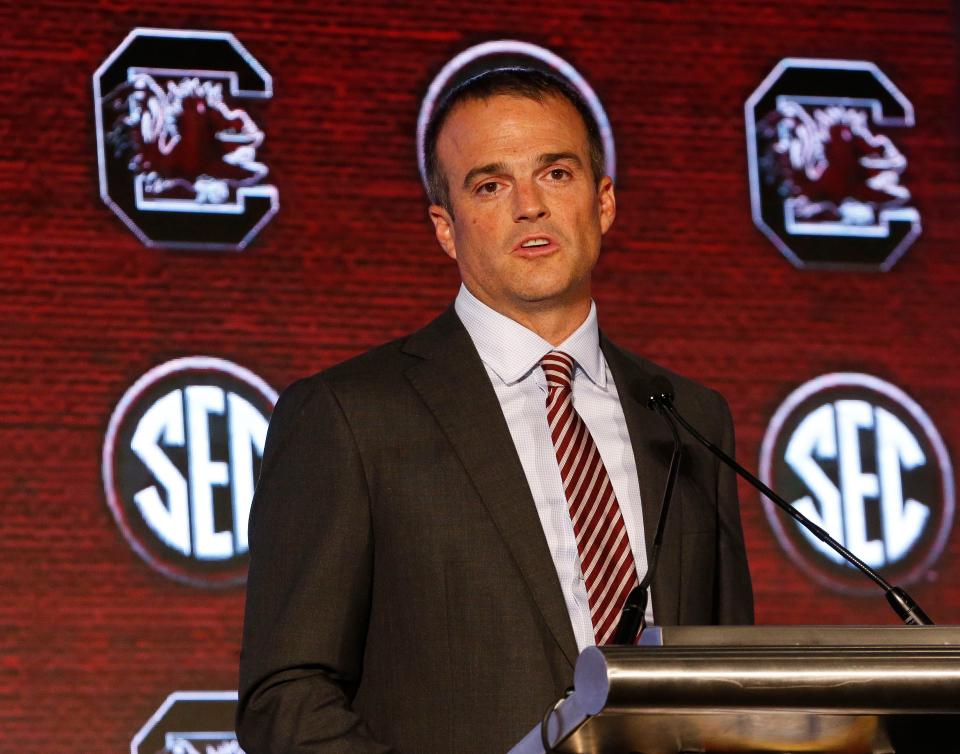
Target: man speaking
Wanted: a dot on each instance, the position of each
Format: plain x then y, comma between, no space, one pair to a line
443,523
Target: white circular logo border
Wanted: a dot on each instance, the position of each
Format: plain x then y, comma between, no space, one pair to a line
515,47
133,393
855,379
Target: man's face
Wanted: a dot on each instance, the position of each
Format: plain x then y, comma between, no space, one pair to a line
528,214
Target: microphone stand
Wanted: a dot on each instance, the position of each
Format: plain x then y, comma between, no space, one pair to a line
901,602
635,606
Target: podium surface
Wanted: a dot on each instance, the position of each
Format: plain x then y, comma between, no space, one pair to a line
848,690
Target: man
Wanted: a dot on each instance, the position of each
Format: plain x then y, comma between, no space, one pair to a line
424,556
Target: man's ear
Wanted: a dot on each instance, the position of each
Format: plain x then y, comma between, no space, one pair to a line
443,228
606,203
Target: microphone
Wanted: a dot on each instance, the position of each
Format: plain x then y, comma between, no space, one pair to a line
903,605
635,606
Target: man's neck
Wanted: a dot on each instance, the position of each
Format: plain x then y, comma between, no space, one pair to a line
554,322
553,326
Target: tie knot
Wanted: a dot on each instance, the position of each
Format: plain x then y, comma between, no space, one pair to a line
558,368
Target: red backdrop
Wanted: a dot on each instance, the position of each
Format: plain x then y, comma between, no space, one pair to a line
92,639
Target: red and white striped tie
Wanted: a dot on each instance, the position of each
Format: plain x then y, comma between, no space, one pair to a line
605,557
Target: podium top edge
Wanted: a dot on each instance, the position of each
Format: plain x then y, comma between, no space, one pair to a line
800,636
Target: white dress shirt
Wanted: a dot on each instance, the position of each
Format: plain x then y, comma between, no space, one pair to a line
511,354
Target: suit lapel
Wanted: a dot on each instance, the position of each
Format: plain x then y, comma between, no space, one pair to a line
453,383
652,445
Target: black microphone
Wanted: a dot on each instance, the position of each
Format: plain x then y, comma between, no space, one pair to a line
635,606
901,602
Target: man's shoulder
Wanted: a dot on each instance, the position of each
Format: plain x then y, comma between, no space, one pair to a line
380,367
690,396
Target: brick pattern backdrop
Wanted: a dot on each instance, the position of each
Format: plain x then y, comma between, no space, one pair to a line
92,639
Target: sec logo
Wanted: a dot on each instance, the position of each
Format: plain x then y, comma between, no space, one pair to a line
860,458
180,460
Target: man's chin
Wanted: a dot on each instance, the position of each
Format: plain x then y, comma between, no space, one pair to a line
548,297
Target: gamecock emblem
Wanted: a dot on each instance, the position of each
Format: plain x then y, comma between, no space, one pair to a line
183,142
827,180
178,148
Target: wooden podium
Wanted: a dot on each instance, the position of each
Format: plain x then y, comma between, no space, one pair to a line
784,689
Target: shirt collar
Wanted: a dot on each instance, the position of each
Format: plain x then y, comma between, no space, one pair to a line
512,351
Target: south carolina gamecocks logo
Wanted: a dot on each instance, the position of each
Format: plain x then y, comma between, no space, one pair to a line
827,178
178,147
832,169
183,142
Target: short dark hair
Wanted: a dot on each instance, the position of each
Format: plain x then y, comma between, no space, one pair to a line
528,83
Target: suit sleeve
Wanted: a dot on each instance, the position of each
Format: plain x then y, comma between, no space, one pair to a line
734,589
308,588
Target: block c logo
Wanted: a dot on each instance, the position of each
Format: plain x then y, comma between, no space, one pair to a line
190,722
858,457
177,153
180,460
826,177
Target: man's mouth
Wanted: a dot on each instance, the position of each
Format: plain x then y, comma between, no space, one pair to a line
535,246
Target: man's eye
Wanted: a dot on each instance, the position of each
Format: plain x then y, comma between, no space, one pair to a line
487,188
558,174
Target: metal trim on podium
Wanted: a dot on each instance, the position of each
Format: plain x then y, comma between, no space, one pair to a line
782,689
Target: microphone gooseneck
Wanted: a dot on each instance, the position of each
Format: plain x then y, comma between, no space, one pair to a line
661,392
635,606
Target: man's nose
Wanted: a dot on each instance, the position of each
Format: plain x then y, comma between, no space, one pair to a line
529,202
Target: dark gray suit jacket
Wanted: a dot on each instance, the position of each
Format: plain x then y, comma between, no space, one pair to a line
401,595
